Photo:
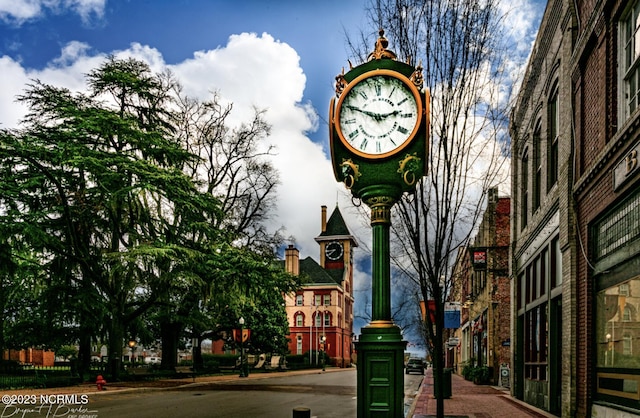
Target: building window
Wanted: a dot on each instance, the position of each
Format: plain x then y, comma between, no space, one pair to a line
317,300
555,268
299,344
327,319
479,281
624,289
627,347
318,319
327,300
618,228
533,301
552,142
299,320
536,343
537,162
630,65
524,187
616,326
626,314
299,300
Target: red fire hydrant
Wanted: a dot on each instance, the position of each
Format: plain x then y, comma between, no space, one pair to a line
101,383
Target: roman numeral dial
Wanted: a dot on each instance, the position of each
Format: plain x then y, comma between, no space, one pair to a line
378,114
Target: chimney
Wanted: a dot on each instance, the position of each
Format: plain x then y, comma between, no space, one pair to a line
323,218
292,260
492,195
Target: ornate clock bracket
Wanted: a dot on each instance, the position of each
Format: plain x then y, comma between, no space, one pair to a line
350,173
417,78
410,169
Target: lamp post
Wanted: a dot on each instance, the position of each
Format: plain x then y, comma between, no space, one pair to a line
132,346
323,339
241,322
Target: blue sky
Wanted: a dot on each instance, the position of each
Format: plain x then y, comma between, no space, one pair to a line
178,28
280,55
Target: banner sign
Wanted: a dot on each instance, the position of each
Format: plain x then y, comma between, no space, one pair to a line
241,335
452,315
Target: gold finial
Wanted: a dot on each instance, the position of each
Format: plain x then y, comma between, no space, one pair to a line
341,83
380,51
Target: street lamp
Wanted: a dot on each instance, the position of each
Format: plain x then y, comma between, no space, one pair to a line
132,346
241,322
323,339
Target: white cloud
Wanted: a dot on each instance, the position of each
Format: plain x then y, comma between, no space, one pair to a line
249,71
20,11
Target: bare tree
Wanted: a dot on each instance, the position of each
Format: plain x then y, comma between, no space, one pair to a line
459,44
234,166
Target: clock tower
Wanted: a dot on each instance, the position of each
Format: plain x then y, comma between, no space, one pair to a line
336,244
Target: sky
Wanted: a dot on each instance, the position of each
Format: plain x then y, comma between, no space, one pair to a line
279,55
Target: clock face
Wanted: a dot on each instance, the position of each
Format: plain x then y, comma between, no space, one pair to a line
333,250
377,115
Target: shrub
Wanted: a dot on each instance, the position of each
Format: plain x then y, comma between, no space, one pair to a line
481,375
468,370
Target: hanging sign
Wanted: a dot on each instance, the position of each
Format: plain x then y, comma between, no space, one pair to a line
452,315
241,335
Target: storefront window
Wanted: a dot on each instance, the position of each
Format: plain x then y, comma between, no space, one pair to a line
617,328
618,325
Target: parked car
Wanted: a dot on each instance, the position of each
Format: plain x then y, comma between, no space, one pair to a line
414,365
152,360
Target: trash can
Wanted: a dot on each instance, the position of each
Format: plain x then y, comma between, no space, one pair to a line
446,384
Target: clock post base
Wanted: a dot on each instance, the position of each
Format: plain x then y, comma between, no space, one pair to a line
380,371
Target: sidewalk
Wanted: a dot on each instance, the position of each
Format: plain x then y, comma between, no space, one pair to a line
471,400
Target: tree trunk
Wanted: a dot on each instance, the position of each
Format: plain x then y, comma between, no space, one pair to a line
169,333
198,361
116,339
84,353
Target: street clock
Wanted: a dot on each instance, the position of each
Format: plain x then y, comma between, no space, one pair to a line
379,121
378,114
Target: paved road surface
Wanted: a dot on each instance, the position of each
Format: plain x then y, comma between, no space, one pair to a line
330,394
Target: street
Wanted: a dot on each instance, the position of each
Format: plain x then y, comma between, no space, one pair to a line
329,394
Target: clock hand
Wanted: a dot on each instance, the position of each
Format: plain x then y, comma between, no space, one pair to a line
386,115
376,116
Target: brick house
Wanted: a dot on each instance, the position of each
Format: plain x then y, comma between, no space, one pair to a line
323,307
576,213
482,286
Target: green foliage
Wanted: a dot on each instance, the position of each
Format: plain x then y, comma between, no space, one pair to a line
67,352
115,221
481,375
468,370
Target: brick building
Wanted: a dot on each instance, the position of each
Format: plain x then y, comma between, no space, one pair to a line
482,286
34,356
543,248
576,213
323,307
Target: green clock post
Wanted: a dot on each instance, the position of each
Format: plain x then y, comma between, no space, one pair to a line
379,122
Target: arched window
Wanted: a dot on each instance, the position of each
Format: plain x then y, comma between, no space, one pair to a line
626,314
553,123
536,198
524,189
299,319
299,344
